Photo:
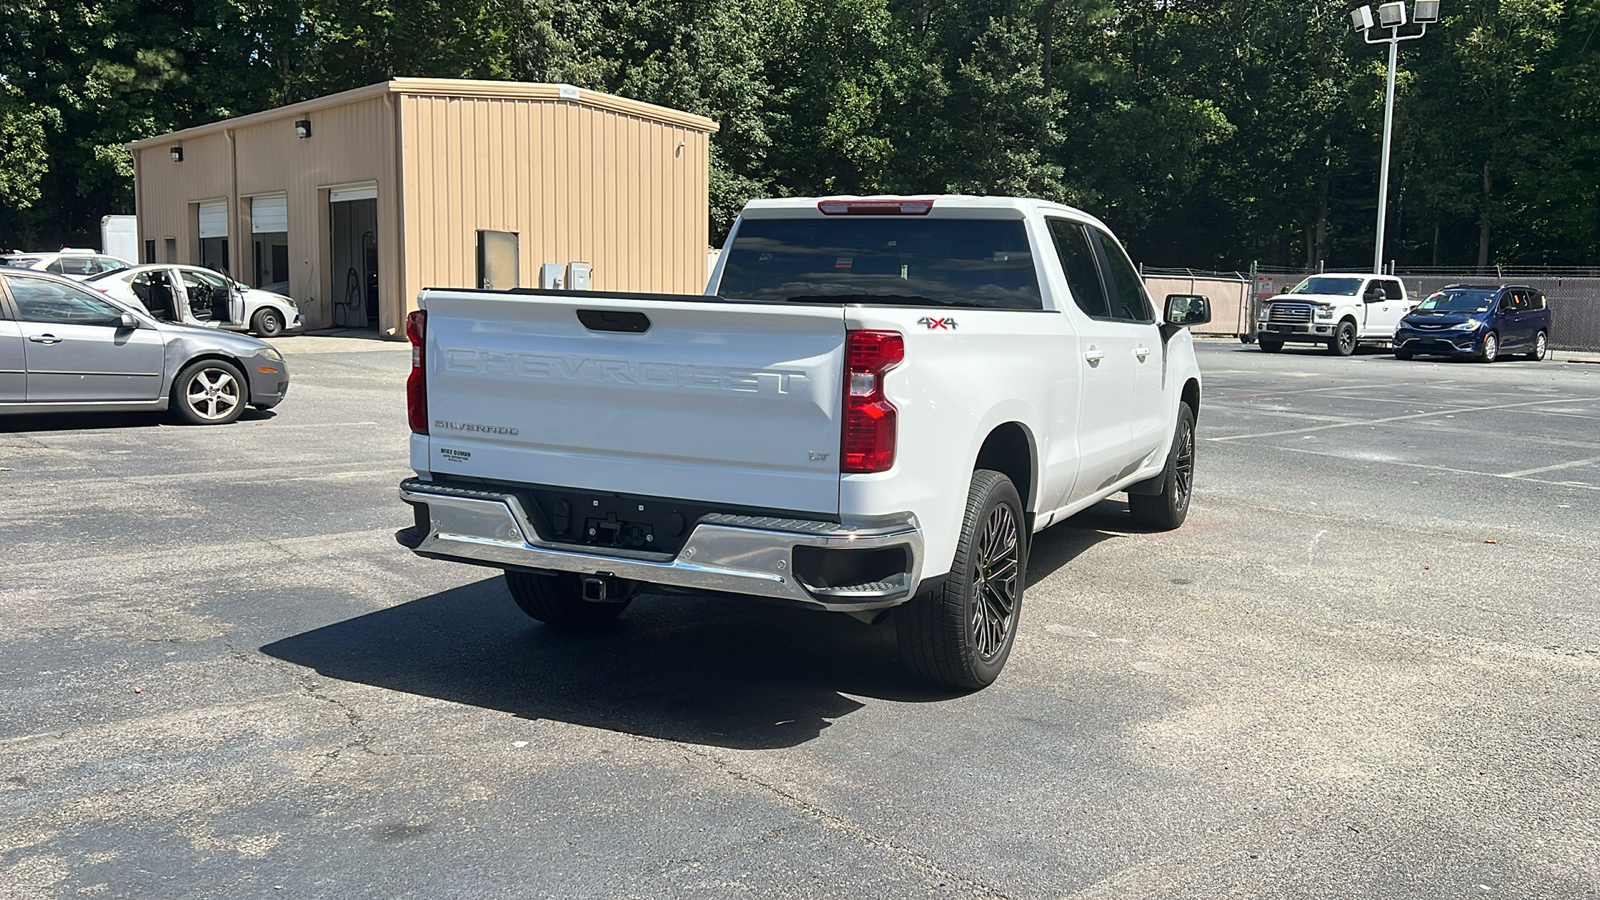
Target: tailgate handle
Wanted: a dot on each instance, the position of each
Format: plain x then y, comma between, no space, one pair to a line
613,320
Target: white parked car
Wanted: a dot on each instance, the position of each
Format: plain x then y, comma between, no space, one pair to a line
198,296
877,404
1336,309
75,264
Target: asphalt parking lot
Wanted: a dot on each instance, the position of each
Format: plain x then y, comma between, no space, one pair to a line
1365,667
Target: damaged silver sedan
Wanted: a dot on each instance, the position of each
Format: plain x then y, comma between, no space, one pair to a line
64,348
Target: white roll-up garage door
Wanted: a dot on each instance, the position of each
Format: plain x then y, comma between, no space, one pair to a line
358,192
269,213
214,219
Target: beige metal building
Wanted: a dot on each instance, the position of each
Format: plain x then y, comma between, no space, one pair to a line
354,202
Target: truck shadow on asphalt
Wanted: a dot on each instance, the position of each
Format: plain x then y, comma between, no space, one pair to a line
706,671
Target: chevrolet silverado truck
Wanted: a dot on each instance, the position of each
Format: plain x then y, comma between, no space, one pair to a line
1337,310
875,405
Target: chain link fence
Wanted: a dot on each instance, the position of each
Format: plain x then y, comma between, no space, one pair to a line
1573,294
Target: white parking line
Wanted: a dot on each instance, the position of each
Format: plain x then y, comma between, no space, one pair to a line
1451,470
1566,465
1385,421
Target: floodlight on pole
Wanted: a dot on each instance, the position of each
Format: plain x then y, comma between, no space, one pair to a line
1393,17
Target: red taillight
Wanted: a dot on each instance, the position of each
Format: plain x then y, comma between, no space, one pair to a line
869,417
417,381
875,207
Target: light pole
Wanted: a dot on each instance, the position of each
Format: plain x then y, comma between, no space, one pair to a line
1393,17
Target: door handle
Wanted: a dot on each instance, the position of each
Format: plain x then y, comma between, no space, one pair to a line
1094,355
1141,352
44,339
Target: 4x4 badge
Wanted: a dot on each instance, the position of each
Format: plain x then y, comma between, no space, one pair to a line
936,324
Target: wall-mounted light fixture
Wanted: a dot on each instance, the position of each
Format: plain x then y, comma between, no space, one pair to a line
177,154
302,127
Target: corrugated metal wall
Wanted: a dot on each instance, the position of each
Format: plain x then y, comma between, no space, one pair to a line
168,191
604,180
575,182
349,144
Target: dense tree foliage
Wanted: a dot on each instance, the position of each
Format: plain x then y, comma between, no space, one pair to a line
1207,133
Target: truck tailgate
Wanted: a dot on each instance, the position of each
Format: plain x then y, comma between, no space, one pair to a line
712,401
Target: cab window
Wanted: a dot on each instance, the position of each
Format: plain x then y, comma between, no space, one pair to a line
1079,267
1129,301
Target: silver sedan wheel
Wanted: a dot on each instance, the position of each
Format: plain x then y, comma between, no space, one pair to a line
212,393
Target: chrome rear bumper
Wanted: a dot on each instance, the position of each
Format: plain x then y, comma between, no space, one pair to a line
725,553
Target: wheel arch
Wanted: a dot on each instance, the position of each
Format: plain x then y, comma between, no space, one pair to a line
1191,396
219,357
1009,449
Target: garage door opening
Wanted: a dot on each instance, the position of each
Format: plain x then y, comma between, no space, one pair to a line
353,227
269,243
212,226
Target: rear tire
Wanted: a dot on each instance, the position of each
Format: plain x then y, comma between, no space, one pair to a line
1271,346
1541,347
961,634
1167,510
557,599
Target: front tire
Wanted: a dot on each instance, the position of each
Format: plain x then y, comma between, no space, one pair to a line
1271,346
961,634
1344,339
1167,510
209,392
268,322
1490,351
1541,347
557,599
1402,354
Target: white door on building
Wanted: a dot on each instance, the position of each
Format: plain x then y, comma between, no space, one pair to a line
212,226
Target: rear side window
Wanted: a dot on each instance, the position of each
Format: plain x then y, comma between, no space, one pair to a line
1535,300
74,265
1078,265
972,263
1129,301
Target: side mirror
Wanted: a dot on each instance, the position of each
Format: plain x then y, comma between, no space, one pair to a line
128,321
1374,295
1184,310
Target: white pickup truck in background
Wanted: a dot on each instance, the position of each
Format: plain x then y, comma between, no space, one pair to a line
874,406
1337,309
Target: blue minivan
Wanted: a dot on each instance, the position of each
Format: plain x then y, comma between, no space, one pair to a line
1481,321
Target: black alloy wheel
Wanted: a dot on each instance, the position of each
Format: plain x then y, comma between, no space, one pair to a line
994,589
1344,339
960,633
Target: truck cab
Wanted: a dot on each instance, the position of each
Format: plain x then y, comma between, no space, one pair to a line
1339,310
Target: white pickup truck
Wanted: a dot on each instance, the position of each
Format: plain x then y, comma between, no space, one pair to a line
874,406
1338,310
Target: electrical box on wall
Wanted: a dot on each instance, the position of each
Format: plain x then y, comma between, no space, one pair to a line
578,276
550,277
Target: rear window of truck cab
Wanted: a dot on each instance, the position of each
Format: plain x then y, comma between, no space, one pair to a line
972,263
